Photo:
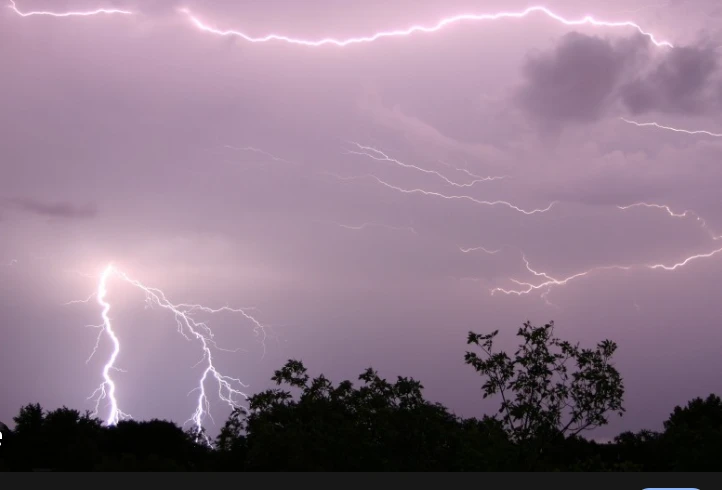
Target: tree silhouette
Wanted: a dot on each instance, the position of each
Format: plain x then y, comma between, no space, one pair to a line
692,438
61,439
542,396
551,391
379,425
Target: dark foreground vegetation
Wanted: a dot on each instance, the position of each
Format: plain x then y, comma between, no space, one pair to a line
550,393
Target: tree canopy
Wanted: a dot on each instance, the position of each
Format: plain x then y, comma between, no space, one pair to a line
550,393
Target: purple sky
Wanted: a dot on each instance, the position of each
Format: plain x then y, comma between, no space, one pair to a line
117,136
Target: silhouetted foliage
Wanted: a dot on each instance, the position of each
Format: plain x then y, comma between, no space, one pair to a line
549,388
551,391
383,425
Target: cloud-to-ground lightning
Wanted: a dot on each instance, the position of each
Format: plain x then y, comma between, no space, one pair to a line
107,387
229,389
77,13
669,128
668,210
380,156
446,196
586,20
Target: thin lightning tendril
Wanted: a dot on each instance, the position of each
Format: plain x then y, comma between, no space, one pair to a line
445,196
549,281
668,210
85,13
669,128
474,249
379,225
257,150
385,158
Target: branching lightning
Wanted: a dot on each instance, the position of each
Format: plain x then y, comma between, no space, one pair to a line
549,281
229,389
669,128
81,13
669,211
473,176
107,387
586,20
380,156
446,196
441,24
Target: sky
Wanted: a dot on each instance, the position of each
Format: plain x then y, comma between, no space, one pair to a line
335,191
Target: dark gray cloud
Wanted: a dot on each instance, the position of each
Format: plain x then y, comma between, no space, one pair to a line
64,210
683,82
575,82
582,78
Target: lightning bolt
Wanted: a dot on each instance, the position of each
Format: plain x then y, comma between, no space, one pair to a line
379,225
474,249
229,389
586,20
671,213
473,176
549,281
85,13
107,387
669,128
446,196
257,150
385,158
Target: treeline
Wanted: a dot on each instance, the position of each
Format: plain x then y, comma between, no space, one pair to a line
550,393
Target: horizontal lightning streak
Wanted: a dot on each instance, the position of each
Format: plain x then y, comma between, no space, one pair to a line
385,158
257,150
671,213
586,20
669,128
473,176
551,281
474,249
445,196
379,225
84,13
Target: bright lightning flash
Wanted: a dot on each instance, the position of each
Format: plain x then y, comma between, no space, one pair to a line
81,13
229,389
586,20
669,128
549,282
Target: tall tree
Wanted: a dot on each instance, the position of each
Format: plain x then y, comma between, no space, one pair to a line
548,387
